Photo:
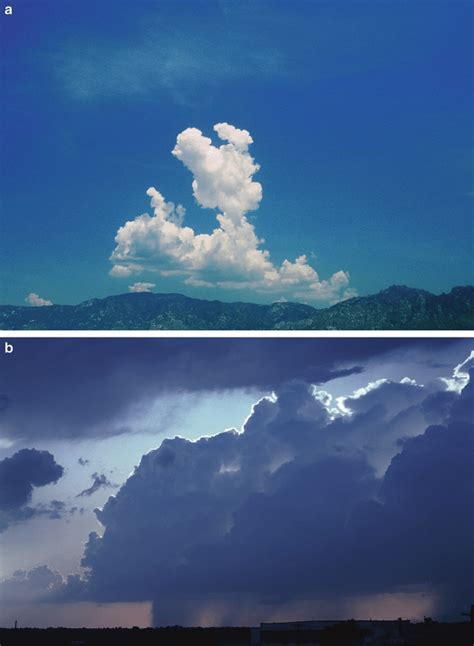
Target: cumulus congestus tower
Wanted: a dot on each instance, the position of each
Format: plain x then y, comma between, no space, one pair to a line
232,256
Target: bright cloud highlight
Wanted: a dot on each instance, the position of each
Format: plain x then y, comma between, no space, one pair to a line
231,256
141,287
460,377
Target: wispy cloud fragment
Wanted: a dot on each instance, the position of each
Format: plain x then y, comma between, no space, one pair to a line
166,62
99,481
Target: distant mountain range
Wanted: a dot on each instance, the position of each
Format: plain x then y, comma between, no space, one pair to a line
395,308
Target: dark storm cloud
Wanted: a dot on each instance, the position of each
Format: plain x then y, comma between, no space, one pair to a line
86,387
293,508
19,475
21,472
355,535
99,481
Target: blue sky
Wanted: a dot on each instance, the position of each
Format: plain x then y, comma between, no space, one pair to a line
360,115
149,465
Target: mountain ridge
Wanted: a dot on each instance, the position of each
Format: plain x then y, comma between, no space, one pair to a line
395,308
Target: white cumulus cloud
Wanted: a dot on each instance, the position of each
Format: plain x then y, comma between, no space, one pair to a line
36,301
141,287
231,256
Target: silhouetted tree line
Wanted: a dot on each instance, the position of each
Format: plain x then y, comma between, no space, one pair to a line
429,633
124,636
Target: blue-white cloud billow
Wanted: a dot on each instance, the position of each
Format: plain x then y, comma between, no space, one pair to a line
316,498
231,257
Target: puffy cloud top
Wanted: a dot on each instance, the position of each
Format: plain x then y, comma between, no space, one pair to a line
36,301
222,176
231,256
